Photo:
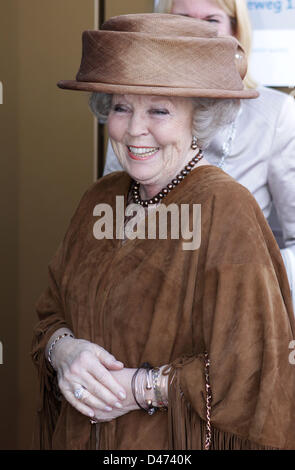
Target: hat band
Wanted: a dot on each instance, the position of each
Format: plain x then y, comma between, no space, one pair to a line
142,60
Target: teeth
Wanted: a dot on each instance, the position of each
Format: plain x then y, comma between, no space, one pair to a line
143,151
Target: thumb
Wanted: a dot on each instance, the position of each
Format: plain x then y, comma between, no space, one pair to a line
108,360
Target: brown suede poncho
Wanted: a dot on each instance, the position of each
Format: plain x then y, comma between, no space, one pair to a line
150,300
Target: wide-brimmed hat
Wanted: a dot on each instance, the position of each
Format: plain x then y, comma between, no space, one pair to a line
161,54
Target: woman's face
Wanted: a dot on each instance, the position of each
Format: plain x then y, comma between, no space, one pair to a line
151,136
206,10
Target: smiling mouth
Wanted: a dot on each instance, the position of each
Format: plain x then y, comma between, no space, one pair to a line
142,152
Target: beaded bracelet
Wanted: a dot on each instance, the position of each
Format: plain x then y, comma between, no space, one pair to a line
138,388
135,388
54,343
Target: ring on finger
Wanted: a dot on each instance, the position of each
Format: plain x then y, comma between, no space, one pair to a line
79,392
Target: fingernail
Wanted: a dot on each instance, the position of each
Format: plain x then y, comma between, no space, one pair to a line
120,363
91,414
118,405
108,408
122,395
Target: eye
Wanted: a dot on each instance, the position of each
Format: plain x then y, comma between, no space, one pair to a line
159,111
119,108
212,20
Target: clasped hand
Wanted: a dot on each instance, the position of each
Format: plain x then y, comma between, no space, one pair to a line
104,385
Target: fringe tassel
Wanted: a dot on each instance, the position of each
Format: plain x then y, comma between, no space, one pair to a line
47,414
49,400
107,436
49,403
187,431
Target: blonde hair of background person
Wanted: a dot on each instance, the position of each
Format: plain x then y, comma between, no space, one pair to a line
237,10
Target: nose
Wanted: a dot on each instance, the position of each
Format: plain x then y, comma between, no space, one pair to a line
137,125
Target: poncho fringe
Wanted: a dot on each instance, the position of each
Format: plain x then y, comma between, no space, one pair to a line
187,431
49,404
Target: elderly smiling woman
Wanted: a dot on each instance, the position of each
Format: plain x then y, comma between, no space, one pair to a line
165,126
141,344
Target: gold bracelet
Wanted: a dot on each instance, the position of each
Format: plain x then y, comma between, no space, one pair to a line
157,386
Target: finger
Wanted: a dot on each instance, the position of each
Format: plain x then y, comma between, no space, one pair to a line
78,404
99,392
96,379
95,394
93,403
108,360
103,377
84,401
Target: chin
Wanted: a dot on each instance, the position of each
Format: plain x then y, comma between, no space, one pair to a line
140,172
142,177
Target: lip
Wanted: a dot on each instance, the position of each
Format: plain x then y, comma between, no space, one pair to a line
135,157
142,146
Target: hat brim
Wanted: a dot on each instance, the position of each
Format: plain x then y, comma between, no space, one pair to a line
155,90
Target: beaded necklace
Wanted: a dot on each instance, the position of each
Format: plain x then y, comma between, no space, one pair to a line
166,190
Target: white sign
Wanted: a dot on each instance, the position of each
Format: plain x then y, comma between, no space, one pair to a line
273,54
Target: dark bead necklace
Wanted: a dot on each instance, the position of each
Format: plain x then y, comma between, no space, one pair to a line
165,191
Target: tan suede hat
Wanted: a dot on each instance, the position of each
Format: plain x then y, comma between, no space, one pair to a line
161,54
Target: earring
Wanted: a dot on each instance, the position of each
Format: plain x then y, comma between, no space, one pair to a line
194,145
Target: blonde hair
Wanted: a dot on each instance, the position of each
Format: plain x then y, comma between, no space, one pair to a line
238,12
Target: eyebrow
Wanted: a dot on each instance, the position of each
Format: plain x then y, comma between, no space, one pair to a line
155,98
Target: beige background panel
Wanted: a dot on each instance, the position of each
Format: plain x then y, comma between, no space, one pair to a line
9,227
123,7
47,153
56,156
